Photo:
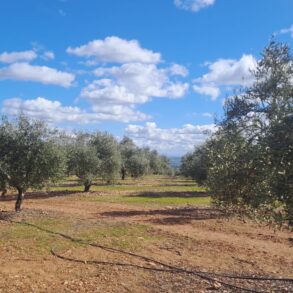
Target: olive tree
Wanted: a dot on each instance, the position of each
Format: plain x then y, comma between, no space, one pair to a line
234,175
158,164
138,162
83,160
127,149
138,165
194,164
250,157
108,153
186,166
279,142
29,156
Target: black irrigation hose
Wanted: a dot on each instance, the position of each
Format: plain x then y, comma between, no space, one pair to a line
178,270
203,275
110,249
54,253
255,278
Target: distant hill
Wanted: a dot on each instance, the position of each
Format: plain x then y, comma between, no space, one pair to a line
175,162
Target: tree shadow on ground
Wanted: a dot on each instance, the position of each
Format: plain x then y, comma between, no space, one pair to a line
176,216
160,194
40,195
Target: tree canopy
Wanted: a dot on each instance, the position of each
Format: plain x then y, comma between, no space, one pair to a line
29,157
83,160
249,160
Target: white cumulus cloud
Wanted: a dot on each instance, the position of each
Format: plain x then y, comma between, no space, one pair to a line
170,141
226,72
115,49
41,108
11,57
230,71
54,112
193,5
123,87
43,74
177,69
208,90
136,79
135,83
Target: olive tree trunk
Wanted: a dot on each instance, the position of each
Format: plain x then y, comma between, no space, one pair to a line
123,172
19,200
87,187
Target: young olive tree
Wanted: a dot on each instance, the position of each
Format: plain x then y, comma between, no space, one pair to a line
83,161
29,157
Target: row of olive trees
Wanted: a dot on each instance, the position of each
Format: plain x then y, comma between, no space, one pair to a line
137,161
100,155
194,165
248,162
32,155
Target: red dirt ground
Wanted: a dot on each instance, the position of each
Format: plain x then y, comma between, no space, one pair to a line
194,238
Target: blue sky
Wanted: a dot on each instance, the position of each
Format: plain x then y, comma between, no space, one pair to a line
155,70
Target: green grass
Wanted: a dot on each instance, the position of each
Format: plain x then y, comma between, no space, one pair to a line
146,200
148,183
119,187
121,235
29,240
163,190
167,200
151,192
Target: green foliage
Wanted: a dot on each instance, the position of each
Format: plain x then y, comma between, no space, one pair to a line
138,162
279,143
250,157
127,149
29,157
138,165
248,163
234,176
163,166
83,161
3,184
108,153
158,164
194,165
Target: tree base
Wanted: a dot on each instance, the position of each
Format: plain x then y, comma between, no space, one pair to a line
19,201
